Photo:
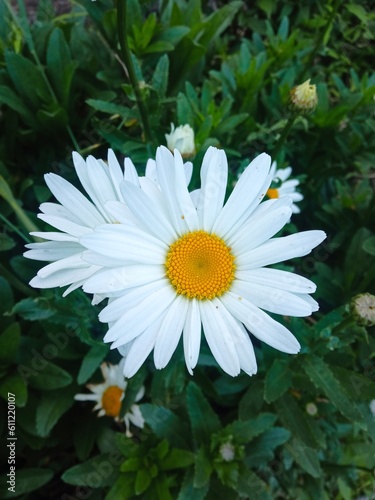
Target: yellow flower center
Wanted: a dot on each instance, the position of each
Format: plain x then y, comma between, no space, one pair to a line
273,193
111,400
200,265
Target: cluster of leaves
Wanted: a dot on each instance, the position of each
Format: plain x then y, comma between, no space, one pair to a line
302,427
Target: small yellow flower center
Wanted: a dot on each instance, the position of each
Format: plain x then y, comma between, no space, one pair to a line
273,193
111,400
200,265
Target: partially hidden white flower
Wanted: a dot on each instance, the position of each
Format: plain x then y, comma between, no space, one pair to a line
182,139
281,186
76,215
109,395
201,264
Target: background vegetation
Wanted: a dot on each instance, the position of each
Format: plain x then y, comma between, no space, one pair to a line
302,427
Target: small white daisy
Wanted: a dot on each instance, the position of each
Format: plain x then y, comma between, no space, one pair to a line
109,395
284,187
201,264
75,215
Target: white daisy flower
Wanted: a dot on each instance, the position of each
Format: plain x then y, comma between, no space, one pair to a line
75,215
201,265
284,187
109,395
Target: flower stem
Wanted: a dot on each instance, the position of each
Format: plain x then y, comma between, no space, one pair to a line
284,135
122,35
323,35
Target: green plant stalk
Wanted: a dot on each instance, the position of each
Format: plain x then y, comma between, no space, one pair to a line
302,75
122,35
319,42
284,135
14,228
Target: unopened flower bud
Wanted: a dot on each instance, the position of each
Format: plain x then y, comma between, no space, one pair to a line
363,309
227,452
311,409
304,97
181,138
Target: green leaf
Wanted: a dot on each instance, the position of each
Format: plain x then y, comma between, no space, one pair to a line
91,361
11,99
33,309
305,456
160,76
123,488
6,294
251,486
6,242
14,384
85,434
51,409
27,480
369,245
9,342
177,459
261,449
278,380
27,79
166,424
204,421
322,377
49,377
188,491
112,108
202,468
97,472
142,481
60,65
295,420
245,431
252,400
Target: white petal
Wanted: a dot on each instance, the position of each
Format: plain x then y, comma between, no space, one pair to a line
170,331
117,307
280,249
245,196
148,213
63,277
52,250
136,320
284,280
218,337
214,176
125,243
272,299
260,324
130,172
165,165
140,349
151,172
55,236
65,225
115,173
59,211
188,167
259,230
72,262
242,342
187,209
192,335
73,200
121,213
121,278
